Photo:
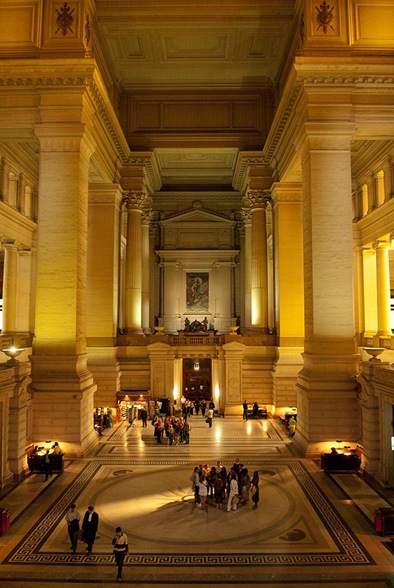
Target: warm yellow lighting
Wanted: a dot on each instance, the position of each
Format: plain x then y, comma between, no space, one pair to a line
196,365
141,444
265,426
217,392
175,392
249,428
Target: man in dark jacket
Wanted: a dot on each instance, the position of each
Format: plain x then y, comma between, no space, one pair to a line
89,526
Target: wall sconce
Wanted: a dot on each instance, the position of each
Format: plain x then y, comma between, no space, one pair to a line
196,366
12,353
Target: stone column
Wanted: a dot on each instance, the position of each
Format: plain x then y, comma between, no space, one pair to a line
388,169
372,191
161,356
259,278
233,357
383,287
135,202
359,292
9,286
247,259
19,419
370,293
370,418
63,385
103,263
154,279
145,294
103,289
326,395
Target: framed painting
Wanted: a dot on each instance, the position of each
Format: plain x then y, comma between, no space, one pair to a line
197,292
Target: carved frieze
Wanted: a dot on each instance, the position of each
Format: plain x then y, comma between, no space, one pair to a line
146,217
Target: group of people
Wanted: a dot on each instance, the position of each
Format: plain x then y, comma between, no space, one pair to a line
88,535
189,406
235,486
176,430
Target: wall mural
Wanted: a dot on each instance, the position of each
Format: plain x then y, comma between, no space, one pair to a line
197,292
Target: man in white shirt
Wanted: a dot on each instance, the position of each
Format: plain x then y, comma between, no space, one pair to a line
210,416
73,517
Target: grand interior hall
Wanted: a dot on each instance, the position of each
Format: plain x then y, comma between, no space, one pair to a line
197,215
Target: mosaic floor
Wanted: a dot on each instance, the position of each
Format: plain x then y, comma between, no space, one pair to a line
310,528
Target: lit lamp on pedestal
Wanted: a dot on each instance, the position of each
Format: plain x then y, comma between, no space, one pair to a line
159,330
233,330
12,353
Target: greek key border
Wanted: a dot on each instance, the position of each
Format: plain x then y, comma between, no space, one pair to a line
351,551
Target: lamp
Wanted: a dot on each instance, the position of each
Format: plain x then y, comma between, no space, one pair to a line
196,366
12,353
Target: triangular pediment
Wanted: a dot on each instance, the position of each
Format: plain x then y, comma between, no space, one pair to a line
197,215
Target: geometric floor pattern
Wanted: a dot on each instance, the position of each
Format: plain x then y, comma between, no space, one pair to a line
307,531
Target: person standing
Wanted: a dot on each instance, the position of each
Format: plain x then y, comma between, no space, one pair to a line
212,404
187,428
121,547
197,405
203,407
255,490
203,490
47,465
89,527
245,409
292,426
232,493
144,417
210,416
73,517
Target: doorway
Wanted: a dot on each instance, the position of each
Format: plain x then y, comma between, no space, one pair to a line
197,376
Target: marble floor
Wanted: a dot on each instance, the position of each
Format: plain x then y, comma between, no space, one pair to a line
310,529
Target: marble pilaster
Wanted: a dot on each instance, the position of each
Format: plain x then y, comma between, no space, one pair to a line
63,385
145,277
233,356
247,268
326,395
10,286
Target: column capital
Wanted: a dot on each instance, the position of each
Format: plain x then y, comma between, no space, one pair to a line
241,228
286,192
380,244
258,198
246,216
72,137
9,245
147,216
135,200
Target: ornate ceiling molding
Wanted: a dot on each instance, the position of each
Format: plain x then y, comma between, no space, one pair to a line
246,159
147,161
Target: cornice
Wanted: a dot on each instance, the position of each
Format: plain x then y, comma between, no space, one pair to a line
67,76
370,78
148,161
244,161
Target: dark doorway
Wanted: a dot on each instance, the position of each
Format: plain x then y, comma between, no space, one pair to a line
197,378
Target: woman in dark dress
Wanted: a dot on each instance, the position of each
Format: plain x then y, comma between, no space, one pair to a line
89,527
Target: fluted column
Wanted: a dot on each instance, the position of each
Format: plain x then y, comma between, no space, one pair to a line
133,313
247,268
259,278
145,292
9,286
383,287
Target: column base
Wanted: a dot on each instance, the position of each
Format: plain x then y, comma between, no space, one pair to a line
63,403
233,410
284,374
105,368
327,407
132,331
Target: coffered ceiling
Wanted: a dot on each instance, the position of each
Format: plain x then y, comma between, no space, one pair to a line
193,74
182,44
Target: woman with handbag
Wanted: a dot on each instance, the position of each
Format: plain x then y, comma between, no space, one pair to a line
121,548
